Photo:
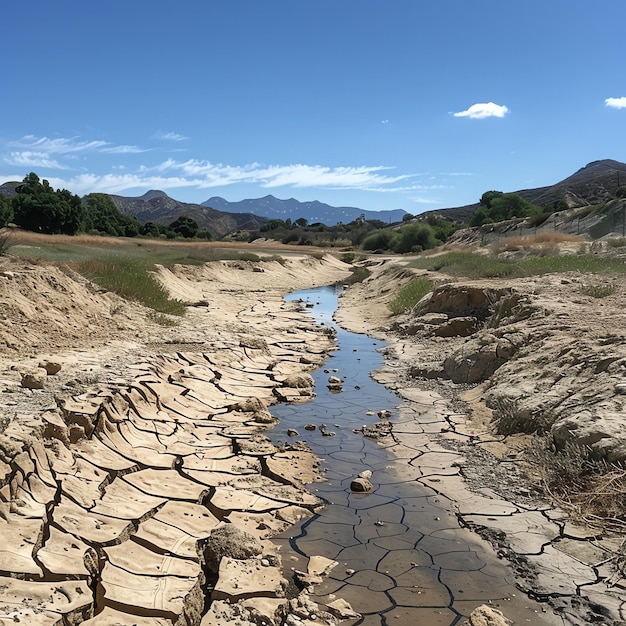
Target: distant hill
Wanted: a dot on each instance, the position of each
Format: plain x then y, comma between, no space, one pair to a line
595,183
314,211
157,206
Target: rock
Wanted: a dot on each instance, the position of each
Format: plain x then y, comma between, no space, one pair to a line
342,610
479,358
292,432
600,433
487,616
384,414
365,474
257,407
264,610
460,300
33,380
247,578
620,387
335,383
320,565
229,541
457,327
309,427
305,580
361,485
299,381
51,367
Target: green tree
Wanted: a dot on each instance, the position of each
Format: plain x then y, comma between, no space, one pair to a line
6,211
379,240
273,224
496,206
415,238
184,226
103,216
38,207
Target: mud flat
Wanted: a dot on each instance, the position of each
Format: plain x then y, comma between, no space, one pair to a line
137,486
401,553
452,360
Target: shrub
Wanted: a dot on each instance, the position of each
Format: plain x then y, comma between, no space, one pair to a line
410,295
483,266
590,489
414,238
379,240
359,274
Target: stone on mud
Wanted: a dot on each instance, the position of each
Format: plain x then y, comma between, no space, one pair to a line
229,541
361,485
487,616
33,380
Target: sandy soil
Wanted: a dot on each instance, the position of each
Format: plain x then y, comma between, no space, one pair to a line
568,356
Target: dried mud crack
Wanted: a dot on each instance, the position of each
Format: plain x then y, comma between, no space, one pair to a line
120,470
136,483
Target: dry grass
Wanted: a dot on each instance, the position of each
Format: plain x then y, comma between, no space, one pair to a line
591,490
531,242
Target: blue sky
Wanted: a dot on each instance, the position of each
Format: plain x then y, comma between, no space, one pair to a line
369,103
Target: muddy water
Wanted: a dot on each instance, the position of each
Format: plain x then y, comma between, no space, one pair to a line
403,559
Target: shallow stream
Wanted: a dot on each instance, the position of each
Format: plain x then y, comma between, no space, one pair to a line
402,556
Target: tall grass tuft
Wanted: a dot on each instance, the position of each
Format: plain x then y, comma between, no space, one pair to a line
131,279
597,291
410,295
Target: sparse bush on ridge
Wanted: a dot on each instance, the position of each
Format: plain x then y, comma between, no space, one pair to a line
598,291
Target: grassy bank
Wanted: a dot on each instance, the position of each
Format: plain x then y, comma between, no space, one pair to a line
474,265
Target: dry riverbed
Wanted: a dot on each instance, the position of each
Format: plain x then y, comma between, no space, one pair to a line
137,486
525,350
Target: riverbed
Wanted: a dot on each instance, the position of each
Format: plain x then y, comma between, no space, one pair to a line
402,556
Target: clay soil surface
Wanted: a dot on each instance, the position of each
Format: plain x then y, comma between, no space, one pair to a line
109,417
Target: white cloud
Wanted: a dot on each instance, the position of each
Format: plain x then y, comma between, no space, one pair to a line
31,151
419,200
171,136
124,150
481,110
616,103
62,145
202,175
63,153
27,158
269,176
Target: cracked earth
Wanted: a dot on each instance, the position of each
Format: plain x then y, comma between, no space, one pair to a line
143,483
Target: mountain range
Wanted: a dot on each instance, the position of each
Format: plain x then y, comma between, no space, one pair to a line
314,212
157,206
593,184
